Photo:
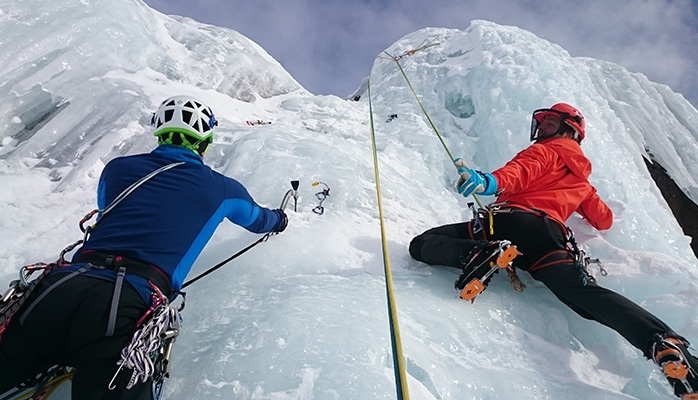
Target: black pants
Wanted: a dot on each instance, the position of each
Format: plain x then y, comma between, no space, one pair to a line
68,327
541,241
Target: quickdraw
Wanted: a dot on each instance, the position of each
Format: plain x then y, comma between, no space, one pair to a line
19,290
148,354
582,261
321,196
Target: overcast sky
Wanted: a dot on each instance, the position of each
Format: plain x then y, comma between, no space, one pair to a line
330,45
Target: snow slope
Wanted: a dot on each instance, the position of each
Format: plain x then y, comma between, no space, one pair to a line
304,315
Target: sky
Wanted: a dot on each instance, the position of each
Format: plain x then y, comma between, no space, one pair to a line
304,315
330,45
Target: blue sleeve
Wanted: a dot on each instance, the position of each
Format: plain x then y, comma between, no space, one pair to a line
242,210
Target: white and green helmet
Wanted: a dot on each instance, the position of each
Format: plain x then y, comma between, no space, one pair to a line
184,121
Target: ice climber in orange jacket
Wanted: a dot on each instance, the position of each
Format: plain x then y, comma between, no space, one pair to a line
537,191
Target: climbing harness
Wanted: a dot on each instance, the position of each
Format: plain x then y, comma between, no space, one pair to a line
20,289
567,249
321,196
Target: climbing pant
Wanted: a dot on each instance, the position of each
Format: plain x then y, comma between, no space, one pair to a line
68,326
542,244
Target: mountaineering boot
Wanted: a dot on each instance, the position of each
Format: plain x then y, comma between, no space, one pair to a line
483,261
678,365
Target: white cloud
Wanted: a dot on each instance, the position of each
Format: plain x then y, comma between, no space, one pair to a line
329,46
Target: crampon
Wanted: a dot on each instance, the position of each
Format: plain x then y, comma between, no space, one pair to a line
678,365
481,264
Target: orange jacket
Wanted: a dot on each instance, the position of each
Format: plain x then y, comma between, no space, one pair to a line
553,176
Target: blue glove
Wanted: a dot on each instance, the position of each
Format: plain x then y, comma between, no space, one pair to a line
472,181
283,223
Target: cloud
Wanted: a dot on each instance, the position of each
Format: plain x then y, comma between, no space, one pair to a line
330,45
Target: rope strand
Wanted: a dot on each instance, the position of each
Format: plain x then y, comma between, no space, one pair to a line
398,358
426,114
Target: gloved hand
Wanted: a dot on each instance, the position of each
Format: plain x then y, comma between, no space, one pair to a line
284,222
471,180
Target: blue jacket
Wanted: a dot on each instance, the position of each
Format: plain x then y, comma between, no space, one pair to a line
168,220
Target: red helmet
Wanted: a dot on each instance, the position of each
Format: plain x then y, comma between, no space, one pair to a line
567,114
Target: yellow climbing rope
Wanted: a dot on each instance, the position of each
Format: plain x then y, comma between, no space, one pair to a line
398,358
515,281
424,45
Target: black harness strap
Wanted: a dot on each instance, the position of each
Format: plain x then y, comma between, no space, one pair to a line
132,266
50,289
115,301
122,266
568,251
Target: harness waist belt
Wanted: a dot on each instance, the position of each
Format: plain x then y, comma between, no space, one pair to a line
132,266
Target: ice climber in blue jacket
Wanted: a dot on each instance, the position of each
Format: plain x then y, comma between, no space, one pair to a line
83,314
